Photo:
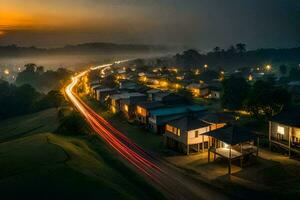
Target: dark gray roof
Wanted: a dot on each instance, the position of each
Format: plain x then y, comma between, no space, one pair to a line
188,123
290,117
150,105
232,134
216,118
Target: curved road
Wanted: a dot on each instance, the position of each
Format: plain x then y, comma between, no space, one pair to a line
171,182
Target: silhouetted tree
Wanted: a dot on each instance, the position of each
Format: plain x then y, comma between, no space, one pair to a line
236,90
283,69
265,99
241,48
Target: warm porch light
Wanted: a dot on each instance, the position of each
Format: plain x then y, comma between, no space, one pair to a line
280,130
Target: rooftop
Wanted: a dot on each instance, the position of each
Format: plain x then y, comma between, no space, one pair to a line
177,110
188,123
104,89
126,95
290,117
151,105
232,134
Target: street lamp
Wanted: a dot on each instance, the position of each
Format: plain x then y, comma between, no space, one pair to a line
6,72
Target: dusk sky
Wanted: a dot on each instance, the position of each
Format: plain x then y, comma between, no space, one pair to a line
198,23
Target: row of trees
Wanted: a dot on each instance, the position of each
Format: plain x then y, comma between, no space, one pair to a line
262,99
25,99
236,56
42,80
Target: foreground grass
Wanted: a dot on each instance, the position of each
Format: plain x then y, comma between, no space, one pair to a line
50,166
43,121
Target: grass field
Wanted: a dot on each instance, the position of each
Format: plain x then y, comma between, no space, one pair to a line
147,140
44,165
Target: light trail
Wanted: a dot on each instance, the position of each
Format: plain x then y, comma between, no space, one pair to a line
172,184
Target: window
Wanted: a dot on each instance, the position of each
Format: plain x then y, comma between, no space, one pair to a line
196,134
169,128
126,108
280,130
172,129
141,111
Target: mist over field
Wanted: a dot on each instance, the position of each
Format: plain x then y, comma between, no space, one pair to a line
73,62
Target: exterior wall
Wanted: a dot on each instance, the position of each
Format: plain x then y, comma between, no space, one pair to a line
195,136
215,95
275,128
141,115
277,135
115,105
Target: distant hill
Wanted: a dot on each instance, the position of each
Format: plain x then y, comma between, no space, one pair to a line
86,48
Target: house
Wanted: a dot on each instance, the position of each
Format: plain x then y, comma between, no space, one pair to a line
151,93
198,90
127,85
174,99
115,100
158,96
158,118
284,130
103,93
231,143
93,90
143,109
214,92
128,105
186,133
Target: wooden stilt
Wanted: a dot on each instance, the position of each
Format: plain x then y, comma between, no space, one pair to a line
290,136
229,166
187,149
202,143
208,154
270,136
257,146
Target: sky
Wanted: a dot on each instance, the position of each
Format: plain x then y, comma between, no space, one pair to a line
202,24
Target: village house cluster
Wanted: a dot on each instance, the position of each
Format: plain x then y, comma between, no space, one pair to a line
187,127
150,99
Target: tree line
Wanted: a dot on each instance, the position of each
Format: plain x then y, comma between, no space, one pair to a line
234,57
42,80
262,99
19,100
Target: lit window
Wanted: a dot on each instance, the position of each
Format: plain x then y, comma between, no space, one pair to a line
280,130
126,107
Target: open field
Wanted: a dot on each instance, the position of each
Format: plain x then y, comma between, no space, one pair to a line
43,165
43,121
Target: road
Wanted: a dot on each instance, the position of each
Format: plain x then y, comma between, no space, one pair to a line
172,183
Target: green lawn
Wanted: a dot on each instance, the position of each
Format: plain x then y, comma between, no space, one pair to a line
49,166
43,121
150,141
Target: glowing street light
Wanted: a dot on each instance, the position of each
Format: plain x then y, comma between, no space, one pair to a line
205,66
268,67
6,72
250,77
